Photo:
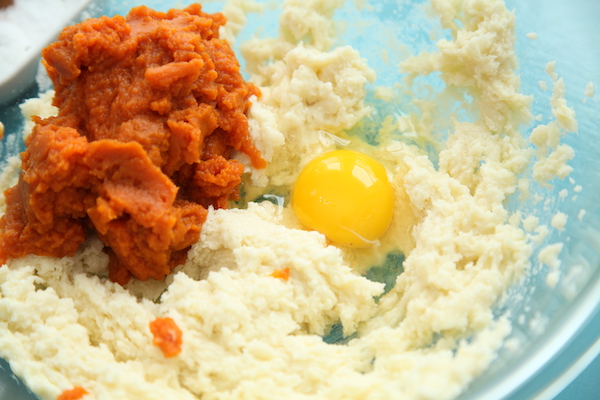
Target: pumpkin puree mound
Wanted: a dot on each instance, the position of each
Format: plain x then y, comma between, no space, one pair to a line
150,108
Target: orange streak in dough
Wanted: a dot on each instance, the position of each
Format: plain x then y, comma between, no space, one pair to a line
167,336
283,274
73,394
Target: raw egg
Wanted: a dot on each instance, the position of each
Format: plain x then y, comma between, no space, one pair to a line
347,196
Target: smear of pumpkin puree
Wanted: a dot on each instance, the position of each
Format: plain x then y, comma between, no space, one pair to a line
150,108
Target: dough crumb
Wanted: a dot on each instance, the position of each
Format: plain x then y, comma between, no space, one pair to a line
538,323
551,70
537,198
559,221
531,223
40,106
549,255
542,232
553,157
552,279
532,35
589,90
563,194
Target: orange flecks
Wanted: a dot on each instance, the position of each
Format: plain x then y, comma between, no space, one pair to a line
167,336
281,274
73,394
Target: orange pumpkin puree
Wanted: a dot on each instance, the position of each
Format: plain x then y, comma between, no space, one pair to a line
283,274
167,336
73,394
150,108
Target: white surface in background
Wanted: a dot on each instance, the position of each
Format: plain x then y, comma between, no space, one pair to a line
26,27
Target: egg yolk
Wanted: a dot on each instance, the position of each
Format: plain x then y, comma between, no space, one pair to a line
345,195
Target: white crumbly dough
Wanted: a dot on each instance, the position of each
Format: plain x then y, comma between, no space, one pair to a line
589,90
549,256
552,156
8,178
530,223
532,35
236,13
40,106
249,334
563,194
308,93
559,220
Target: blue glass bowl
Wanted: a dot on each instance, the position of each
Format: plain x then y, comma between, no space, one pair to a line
568,32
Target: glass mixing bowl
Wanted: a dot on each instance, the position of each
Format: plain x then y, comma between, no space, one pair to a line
558,328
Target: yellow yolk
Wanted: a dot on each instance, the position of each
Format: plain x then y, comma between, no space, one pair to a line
345,195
